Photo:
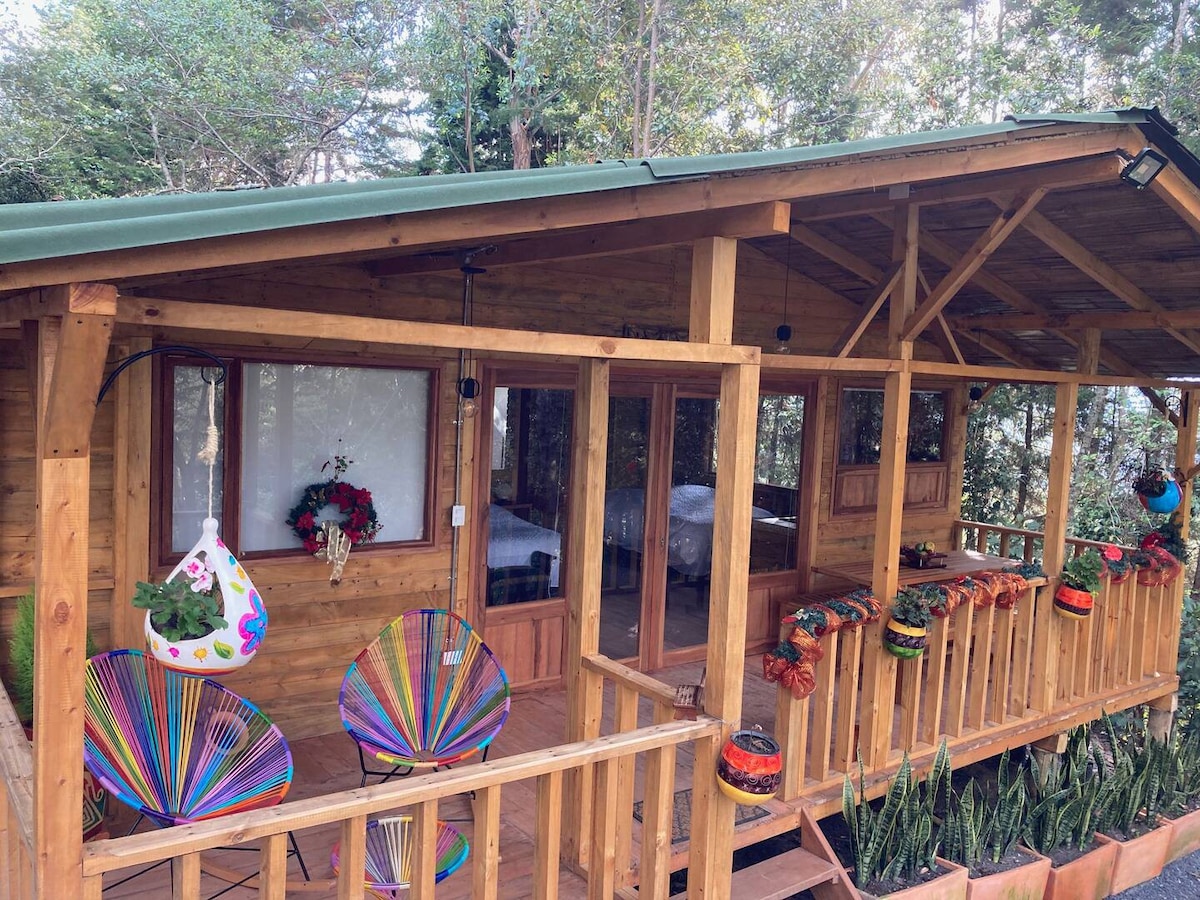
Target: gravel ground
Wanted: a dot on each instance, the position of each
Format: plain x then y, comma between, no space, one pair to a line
1178,881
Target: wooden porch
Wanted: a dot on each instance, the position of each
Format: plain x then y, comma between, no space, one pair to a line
978,687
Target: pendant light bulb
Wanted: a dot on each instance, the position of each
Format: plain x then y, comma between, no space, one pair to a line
468,394
783,334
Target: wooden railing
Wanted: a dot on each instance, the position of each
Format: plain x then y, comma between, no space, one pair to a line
16,805
1000,540
990,678
612,846
611,756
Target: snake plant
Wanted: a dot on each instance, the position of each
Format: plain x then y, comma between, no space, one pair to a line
1143,776
981,825
899,839
1066,801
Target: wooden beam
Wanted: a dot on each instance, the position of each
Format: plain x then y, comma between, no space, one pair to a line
461,225
1102,273
1087,361
714,262
585,546
1157,401
834,252
1111,320
886,284
712,812
83,345
1032,376
948,337
1056,176
1179,193
758,220
970,262
1006,293
278,322
905,231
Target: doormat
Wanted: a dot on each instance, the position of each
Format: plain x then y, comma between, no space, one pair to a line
681,815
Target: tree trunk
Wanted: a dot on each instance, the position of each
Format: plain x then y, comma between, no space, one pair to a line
651,65
1026,460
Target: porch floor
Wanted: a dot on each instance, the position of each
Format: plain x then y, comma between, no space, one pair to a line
329,763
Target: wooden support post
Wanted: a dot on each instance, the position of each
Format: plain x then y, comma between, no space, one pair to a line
1185,454
584,569
654,876
131,495
272,867
1162,717
714,260
67,406
353,858
1047,634
710,863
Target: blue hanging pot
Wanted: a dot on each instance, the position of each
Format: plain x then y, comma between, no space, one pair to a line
1166,502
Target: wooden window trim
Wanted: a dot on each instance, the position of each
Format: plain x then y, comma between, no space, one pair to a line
162,446
842,470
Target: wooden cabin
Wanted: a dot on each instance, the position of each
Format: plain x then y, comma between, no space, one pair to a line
585,433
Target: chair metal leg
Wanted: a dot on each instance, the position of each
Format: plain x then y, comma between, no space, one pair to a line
366,773
295,851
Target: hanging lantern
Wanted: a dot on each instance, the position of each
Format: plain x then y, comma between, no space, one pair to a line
225,649
750,767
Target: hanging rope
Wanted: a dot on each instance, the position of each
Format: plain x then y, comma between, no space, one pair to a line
208,453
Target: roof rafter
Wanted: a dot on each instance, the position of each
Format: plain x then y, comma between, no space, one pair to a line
1102,273
1013,214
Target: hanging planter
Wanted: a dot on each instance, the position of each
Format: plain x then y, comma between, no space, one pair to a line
1157,491
750,767
184,629
905,641
906,632
1078,584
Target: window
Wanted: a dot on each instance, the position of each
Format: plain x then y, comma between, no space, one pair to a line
860,439
284,421
861,426
777,466
530,479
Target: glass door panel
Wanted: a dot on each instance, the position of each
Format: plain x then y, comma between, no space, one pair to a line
624,527
690,523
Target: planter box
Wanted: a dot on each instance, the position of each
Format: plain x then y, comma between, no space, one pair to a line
1185,835
1024,882
1086,878
1141,858
952,885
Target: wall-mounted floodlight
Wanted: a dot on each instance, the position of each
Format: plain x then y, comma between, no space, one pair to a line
1144,168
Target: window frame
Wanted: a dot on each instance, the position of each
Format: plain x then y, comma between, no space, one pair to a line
842,470
229,509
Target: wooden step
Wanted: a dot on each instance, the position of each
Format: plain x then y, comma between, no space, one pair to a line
781,876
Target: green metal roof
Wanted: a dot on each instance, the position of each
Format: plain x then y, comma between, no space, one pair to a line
66,228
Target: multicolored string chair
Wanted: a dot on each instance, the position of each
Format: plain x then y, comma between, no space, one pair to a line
178,748
389,855
426,693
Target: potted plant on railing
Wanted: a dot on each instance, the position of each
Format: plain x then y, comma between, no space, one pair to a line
20,659
1157,491
906,632
983,834
1078,584
1065,803
893,848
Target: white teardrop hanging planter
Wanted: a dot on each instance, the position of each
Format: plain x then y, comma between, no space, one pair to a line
210,564
225,649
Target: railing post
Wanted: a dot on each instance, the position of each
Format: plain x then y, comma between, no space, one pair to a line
1047,634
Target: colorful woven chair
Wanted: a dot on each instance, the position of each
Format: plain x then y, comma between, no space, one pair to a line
389,855
178,748
426,693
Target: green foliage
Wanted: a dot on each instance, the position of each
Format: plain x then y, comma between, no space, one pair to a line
1082,572
20,656
911,607
1066,801
1189,665
987,825
899,839
179,613
1143,778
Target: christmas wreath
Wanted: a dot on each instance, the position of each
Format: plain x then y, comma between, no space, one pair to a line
360,523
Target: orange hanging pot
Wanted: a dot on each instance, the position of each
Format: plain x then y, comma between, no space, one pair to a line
1073,603
750,767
